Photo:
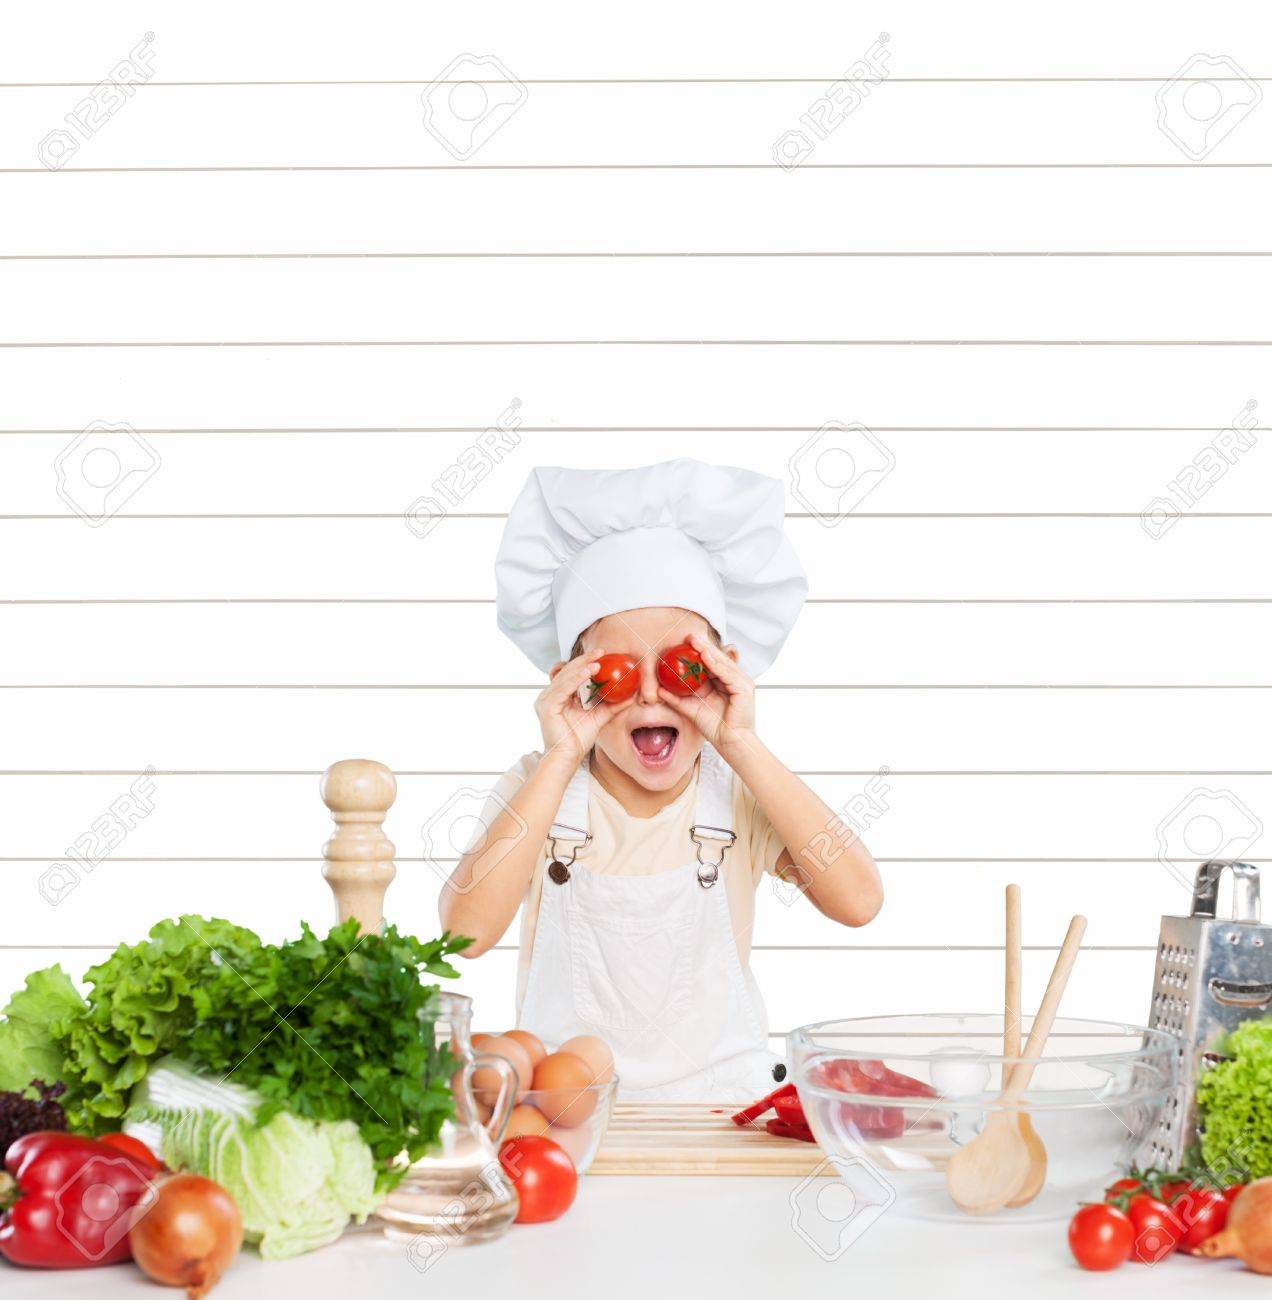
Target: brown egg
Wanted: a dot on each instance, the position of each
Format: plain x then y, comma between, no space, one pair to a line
533,1046
594,1053
563,1094
577,1143
487,1081
526,1121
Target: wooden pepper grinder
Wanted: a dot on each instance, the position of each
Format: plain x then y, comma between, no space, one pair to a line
359,856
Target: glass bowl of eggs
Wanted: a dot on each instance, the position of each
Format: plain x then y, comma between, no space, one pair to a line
566,1094
892,1100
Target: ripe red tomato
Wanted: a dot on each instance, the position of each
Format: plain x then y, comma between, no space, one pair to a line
134,1147
617,678
1230,1194
681,671
1101,1237
1123,1187
1203,1211
543,1175
1158,1230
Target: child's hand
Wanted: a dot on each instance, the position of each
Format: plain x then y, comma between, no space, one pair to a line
725,711
569,729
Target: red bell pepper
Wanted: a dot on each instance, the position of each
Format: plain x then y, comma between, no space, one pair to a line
75,1201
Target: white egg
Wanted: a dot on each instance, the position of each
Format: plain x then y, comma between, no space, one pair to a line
959,1071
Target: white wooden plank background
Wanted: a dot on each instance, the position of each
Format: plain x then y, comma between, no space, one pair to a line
998,263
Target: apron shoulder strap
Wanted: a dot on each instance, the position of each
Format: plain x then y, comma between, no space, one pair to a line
713,816
571,821
714,811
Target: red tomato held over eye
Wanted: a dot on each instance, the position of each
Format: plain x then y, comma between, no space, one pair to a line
681,671
1158,1230
134,1147
1101,1237
617,678
543,1175
1203,1211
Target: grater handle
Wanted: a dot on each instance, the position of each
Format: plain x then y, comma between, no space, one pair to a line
1245,890
1234,993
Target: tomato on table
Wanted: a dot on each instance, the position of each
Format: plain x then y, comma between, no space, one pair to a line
1101,1237
1202,1211
681,670
543,1175
1124,1187
1158,1229
617,678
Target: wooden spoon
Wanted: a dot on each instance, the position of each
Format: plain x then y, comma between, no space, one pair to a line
1037,1174
991,1169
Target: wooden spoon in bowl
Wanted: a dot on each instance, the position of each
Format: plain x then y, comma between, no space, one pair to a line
992,1168
1037,1174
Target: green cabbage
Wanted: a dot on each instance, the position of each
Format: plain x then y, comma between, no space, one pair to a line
297,1181
1235,1099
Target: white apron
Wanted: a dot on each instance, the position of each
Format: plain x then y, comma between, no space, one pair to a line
649,963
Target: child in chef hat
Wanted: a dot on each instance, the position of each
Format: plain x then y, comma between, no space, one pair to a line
635,840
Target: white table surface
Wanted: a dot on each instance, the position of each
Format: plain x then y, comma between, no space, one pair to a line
659,1237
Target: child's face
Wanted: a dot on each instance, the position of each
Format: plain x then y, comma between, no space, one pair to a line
649,741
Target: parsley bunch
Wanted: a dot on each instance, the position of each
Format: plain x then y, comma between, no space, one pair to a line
332,1029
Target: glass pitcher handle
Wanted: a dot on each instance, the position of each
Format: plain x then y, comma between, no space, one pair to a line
509,1082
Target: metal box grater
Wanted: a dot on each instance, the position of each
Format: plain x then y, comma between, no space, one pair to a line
1211,975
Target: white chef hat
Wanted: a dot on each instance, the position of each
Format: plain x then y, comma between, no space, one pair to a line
580,544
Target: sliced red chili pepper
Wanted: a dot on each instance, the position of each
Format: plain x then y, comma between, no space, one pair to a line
780,1129
790,1111
757,1108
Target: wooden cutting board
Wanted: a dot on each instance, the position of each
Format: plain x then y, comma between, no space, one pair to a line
696,1138
700,1138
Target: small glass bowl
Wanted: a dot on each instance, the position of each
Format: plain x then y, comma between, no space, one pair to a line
891,1098
574,1118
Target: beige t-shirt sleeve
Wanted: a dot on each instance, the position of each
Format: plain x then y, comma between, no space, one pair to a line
764,845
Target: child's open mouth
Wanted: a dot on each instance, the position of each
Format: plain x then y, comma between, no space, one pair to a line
654,746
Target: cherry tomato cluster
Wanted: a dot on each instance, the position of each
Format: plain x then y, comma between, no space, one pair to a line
1145,1218
617,678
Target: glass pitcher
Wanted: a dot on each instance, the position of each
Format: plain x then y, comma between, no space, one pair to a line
459,1192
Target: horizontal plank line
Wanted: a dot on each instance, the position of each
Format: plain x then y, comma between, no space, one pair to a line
397,515
674,428
621,254
640,167
497,772
873,82
792,947
82,344
537,687
313,858
489,600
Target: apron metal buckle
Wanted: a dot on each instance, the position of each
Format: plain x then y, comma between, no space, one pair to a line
559,871
709,872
